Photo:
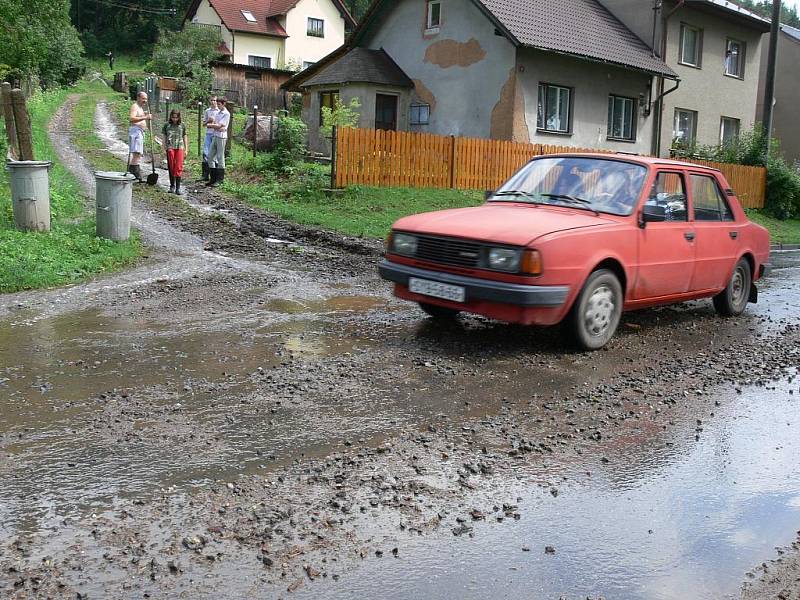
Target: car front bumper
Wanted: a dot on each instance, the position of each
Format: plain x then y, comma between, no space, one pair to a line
481,289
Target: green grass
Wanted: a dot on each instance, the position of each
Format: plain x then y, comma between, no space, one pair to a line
780,232
359,210
70,252
132,65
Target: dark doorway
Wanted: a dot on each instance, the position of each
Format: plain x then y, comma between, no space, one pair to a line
386,112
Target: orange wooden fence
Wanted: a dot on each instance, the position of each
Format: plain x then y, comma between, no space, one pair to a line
403,159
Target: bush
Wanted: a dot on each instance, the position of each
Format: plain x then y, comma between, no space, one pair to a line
783,189
290,144
184,53
341,115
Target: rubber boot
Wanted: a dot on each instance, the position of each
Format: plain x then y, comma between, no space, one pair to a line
212,177
178,186
137,172
206,174
171,184
220,176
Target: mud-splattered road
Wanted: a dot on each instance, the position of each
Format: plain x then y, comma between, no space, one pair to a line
249,414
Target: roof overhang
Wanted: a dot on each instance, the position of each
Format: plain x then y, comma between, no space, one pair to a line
732,12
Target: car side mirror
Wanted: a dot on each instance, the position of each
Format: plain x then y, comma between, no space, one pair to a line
488,194
652,213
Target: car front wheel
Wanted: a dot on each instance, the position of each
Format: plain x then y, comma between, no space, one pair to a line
597,310
439,312
733,299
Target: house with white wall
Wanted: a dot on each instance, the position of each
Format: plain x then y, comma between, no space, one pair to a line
274,34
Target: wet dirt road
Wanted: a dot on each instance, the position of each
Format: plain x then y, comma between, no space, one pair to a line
245,417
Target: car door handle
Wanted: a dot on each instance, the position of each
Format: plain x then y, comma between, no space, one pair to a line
733,234
689,235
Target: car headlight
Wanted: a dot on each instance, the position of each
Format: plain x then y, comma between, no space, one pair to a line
504,259
405,244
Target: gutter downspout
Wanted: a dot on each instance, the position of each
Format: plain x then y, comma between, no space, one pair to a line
659,108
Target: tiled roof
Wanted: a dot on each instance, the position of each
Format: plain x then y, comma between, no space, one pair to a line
281,7
361,65
230,11
577,27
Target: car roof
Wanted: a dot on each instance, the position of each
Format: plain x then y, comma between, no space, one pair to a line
632,158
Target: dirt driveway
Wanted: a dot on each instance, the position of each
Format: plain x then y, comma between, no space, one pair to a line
248,413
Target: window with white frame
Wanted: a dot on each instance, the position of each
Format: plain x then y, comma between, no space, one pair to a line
316,27
554,108
262,62
684,129
248,16
734,58
420,114
728,129
691,45
434,14
621,118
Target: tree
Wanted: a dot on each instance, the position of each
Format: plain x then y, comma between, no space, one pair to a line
38,40
181,53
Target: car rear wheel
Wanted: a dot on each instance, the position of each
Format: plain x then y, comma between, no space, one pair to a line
733,299
439,312
596,312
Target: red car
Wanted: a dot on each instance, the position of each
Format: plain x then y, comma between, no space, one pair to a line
582,237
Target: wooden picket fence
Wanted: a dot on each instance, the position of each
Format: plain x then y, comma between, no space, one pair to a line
423,160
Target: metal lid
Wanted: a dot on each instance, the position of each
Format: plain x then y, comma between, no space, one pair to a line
114,175
33,164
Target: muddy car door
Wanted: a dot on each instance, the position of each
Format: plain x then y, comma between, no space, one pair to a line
716,233
666,249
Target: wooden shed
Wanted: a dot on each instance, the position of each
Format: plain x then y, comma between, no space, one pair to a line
247,85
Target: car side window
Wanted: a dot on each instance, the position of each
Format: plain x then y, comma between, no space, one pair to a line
669,191
709,202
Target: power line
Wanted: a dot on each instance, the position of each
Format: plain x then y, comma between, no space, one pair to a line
154,11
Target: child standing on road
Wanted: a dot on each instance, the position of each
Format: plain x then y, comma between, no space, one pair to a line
176,142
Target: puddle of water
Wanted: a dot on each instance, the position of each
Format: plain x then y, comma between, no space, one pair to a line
687,521
333,304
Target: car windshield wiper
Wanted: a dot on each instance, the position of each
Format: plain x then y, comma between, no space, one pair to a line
573,200
517,194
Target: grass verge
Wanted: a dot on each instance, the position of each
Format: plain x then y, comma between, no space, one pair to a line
780,232
70,252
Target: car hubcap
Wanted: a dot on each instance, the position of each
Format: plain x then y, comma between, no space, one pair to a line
737,286
599,310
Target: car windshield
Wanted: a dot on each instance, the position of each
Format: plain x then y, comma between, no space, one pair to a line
603,185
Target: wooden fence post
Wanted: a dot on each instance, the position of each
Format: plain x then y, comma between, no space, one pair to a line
334,147
23,124
8,115
255,129
452,162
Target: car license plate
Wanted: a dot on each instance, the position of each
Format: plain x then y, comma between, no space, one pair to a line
445,291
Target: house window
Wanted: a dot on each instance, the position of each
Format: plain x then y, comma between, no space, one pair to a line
252,75
691,48
734,58
327,100
685,127
262,62
621,118
434,14
248,16
728,129
553,112
316,27
420,114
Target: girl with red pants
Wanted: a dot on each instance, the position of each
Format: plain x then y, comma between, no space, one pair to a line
176,142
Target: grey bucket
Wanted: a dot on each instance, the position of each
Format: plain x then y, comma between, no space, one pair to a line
113,197
30,194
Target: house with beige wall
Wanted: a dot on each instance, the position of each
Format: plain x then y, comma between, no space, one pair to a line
273,34
565,73
715,47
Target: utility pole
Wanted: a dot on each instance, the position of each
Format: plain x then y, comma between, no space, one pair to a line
769,88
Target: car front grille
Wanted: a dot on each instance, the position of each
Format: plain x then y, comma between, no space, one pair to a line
449,251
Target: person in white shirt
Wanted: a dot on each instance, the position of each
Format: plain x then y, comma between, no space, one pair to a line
208,117
216,153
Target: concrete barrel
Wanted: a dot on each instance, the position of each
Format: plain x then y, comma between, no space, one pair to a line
30,194
113,197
